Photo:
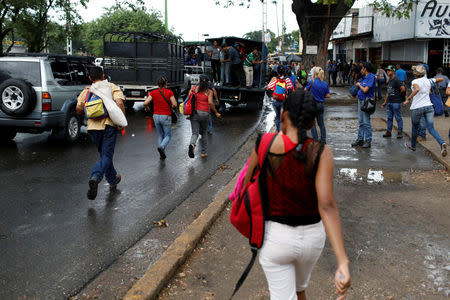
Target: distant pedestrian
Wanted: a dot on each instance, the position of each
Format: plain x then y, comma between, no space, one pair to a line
310,74
199,121
103,132
421,106
300,202
382,78
443,87
163,100
366,91
393,102
319,89
400,73
280,87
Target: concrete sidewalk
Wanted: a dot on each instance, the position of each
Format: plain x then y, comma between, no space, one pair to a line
396,251
442,126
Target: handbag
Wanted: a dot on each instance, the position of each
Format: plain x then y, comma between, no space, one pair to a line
369,106
172,111
436,99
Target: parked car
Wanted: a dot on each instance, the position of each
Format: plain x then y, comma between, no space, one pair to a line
38,92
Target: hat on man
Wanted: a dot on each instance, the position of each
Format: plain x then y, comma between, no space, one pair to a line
419,70
390,68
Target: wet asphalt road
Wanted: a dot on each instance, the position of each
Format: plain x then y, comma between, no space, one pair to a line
53,240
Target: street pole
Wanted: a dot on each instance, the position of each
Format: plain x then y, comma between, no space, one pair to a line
325,49
283,28
166,22
69,30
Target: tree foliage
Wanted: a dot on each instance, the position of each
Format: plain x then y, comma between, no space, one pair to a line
120,18
31,21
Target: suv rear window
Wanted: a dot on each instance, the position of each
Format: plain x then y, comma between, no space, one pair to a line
25,70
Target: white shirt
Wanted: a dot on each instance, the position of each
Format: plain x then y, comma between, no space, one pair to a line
422,98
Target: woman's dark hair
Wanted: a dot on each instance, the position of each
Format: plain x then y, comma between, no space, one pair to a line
368,66
204,84
302,111
162,81
96,73
281,71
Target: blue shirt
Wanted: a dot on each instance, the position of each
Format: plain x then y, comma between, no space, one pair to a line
234,56
369,81
319,89
401,74
293,78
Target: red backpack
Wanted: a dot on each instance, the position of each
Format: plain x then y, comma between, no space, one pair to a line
247,212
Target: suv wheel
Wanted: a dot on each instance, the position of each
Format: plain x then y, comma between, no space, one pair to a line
17,97
7,134
71,130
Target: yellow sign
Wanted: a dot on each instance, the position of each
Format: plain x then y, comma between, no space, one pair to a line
18,43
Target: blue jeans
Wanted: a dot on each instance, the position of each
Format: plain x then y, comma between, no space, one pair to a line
394,109
380,83
365,128
226,72
422,130
105,140
277,106
209,122
428,113
320,123
163,124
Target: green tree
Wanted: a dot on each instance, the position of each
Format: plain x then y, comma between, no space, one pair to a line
120,18
10,10
256,35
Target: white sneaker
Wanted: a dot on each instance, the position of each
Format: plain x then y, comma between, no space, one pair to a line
444,150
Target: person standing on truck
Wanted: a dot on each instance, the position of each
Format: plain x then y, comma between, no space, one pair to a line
214,54
199,120
225,67
163,100
103,132
248,67
235,65
279,87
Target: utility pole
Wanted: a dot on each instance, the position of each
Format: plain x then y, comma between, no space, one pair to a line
283,27
166,22
278,26
69,30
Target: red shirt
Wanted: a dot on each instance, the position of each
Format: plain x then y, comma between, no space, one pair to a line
201,102
160,105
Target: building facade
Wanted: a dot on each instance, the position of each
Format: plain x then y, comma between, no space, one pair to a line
424,37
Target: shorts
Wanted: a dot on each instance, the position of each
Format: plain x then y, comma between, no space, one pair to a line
288,256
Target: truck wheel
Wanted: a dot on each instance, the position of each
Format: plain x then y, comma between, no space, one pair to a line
71,130
18,98
7,134
254,105
129,104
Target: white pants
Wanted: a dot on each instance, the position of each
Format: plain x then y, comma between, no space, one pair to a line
288,256
248,76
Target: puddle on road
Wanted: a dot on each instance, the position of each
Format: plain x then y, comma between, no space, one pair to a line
370,176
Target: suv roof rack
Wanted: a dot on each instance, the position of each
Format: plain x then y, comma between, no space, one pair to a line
57,57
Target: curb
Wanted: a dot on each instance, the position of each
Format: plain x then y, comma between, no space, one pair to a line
435,156
162,271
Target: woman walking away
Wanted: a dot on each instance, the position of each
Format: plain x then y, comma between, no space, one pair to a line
300,202
382,78
199,121
319,90
421,106
163,100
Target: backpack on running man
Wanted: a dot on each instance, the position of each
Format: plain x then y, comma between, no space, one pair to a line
281,91
94,108
247,212
187,107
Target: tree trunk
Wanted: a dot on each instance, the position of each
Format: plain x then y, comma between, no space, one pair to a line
312,18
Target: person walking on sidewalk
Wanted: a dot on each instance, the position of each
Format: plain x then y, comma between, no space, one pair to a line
319,89
103,132
443,87
366,90
393,102
163,102
421,106
280,87
382,78
199,121
300,202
